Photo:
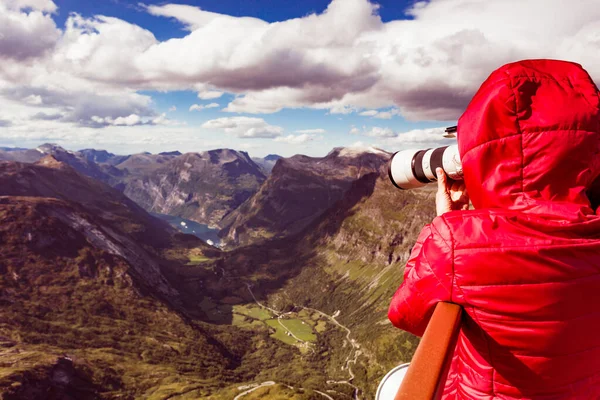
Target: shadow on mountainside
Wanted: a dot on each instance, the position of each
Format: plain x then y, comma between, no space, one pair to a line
61,381
266,267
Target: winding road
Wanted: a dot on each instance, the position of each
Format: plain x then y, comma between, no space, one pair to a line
355,345
252,389
348,361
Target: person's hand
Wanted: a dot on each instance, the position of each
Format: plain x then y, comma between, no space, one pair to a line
451,195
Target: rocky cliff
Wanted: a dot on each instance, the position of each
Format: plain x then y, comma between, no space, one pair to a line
203,187
298,191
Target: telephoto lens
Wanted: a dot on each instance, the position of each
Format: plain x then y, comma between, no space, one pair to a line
413,168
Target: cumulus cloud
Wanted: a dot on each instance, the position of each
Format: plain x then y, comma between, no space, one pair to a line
428,67
172,108
369,113
42,116
38,5
131,120
380,114
296,139
5,123
317,131
417,138
26,29
79,105
375,132
33,99
200,107
209,95
244,127
191,17
342,61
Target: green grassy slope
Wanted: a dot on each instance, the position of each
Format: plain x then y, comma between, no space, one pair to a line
347,264
275,312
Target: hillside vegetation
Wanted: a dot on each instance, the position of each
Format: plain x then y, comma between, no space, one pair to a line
101,300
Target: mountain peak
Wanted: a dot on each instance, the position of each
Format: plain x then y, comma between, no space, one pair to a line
50,162
354,151
272,157
51,148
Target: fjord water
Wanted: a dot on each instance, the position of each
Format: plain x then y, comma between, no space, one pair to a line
202,231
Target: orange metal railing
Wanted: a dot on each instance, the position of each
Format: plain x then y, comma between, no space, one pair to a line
426,375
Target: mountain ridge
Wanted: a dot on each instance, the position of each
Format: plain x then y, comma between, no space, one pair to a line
296,192
161,182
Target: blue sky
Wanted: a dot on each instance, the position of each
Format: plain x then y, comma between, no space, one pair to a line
337,126
265,76
267,10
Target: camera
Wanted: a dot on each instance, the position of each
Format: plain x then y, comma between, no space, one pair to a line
413,168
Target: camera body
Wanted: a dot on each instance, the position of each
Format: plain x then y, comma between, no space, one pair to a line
413,168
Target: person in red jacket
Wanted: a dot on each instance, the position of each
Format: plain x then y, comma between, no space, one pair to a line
525,262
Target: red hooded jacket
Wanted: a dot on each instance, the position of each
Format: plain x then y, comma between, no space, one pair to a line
525,264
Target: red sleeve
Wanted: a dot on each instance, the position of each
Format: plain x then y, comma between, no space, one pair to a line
427,279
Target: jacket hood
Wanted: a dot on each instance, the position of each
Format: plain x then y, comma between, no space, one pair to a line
530,139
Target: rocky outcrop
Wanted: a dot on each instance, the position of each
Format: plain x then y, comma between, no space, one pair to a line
298,191
82,207
203,187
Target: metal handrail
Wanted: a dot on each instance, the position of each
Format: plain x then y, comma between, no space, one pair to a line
426,375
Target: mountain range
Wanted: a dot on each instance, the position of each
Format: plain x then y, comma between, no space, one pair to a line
99,292
203,187
298,190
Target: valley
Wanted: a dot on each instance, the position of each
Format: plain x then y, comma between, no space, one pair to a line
187,226
298,314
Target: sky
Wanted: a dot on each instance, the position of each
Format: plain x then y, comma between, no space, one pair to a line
265,76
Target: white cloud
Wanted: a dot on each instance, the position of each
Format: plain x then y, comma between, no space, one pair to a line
26,29
380,114
379,132
200,107
343,60
130,120
417,138
244,127
296,139
33,99
163,120
317,131
47,117
172,108
37,5
191,17
209,95
375,132
369,113
428,67
355,131
387,114
384,115
341,109
117,139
